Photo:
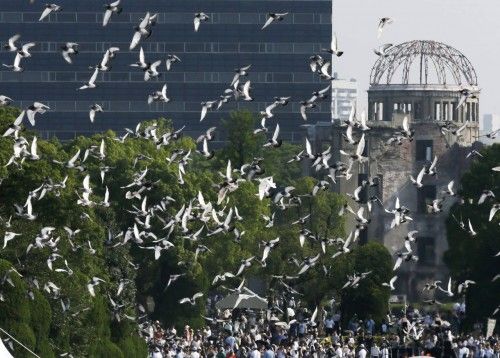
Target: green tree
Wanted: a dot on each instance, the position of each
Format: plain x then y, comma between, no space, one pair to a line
242,144
43,325
370,298
40,323
473,258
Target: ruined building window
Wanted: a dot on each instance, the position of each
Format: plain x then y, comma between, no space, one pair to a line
378,111
364,192
424,150
402,107
425,196
363,237
380,187
417,113
437,111
425,250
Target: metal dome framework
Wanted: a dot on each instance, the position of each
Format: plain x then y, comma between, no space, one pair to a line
427,55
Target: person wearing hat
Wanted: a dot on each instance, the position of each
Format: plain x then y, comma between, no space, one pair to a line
362,351
338,350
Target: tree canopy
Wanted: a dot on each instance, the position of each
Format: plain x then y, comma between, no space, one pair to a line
52,309
473,257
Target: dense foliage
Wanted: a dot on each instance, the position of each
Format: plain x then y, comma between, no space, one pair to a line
473,257
71,320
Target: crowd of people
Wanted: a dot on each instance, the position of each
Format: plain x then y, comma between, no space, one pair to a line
252,334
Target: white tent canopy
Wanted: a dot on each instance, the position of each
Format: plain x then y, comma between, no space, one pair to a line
4,353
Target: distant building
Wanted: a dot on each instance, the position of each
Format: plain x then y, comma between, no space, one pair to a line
428,94
344,94
487,124
230,39
490,123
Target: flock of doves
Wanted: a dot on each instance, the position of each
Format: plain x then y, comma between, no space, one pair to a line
212,218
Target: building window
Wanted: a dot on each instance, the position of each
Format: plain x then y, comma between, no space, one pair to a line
445,111
228,47
378,111
418,110
12,17
363,236
249,18
425,250
437,111
214,77
425,196
401,107
303,18
303,48
424,150
380,187
363,195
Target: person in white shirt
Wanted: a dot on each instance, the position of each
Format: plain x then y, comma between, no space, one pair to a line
329,323
157,353
384,327
489,352
463,352
384,352
462,308
362,351
179,353
173,331
338,350
194,353
374,351
255,353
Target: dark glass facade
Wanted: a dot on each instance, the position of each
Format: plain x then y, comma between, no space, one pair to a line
230,39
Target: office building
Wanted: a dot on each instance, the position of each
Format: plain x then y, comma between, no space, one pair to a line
230,39
344,94
490,124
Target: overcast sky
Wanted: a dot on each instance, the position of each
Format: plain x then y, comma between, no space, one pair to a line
471,26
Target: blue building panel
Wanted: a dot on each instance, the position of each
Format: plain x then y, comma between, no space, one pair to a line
232,38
